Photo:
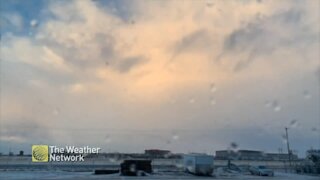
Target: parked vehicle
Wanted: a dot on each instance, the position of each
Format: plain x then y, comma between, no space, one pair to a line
135,167
261,171
198,164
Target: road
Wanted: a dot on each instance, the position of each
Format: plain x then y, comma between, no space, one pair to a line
87,175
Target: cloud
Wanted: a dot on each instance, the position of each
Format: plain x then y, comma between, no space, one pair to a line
126,64
55,60
77,88
24,50
198,40
147,65
11,19
22,131
265,35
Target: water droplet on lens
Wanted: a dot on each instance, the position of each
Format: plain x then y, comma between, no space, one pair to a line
112,159
191,100
284,138
190,168
168,142
175,137
212,101
213,88
314,129
276,106
179,164
306,94
33,23
294,123
107,139
209,3
268,104
132,168
233,145
56,111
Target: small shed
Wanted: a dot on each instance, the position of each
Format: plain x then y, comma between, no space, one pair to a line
135,167
198,164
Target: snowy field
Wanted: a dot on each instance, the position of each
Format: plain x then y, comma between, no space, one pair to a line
23,168
88,175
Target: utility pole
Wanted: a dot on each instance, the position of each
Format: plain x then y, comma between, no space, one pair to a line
288,147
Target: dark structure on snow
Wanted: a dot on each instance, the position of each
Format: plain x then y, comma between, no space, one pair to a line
135,167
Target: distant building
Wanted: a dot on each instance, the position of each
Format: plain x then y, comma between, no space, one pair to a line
280,156
252,155
157,153
225,154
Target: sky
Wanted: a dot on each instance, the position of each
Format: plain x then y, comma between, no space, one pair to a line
182,75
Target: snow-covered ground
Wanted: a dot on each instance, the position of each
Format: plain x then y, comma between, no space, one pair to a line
87,175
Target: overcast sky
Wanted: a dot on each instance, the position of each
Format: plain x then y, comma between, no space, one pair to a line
188,76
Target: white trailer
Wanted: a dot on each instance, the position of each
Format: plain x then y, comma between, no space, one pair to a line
198,164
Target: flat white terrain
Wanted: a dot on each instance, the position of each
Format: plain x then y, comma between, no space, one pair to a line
87,175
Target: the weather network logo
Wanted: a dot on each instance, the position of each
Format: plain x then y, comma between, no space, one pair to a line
40,153
47,153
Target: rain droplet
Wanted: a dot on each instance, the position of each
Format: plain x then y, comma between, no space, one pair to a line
107,139
112,159
175,137
56,111
209,4
306,94
213,88
191,100
233,145
190,168
294,123
179,164
276,106
132,168
314,129
33,23
268,104
212,101
284,138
